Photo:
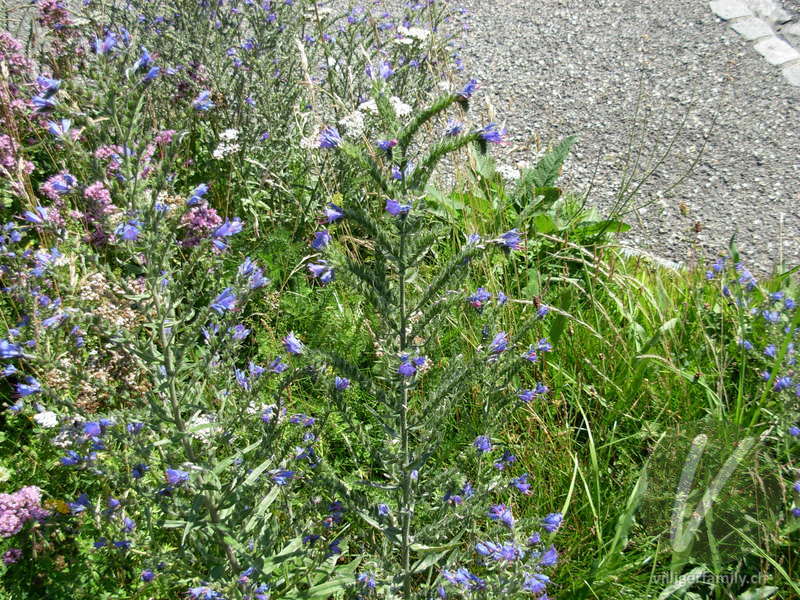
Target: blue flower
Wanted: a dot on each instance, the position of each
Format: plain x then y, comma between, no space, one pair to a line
483,444
333,213
278,366
535,584
282,477
226,300
203,101
511,239
552,522
794,431
502,513
228,228
144,61
468,89
138,470
383,510
387,145
453,128
321,240
321,271
549,558
59,129
147,575
9,349
521,483
176,476
151,74
128,231
394,208
49,86
329,138
30,387
367,580
197,195
341,383
292,344
385,70
38,216
479,298
499,343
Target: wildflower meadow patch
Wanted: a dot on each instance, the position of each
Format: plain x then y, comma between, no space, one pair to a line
275,324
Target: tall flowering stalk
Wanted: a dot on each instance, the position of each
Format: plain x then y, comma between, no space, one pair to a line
416,390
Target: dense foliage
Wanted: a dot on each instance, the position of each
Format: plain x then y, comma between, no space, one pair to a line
276,325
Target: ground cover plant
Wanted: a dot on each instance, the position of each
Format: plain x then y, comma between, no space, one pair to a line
276,324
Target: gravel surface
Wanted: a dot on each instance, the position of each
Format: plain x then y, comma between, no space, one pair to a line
553,68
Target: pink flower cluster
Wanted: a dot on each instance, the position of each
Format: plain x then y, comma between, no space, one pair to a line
54,15
99,207
199,221
58,184
11,54
9,157
18,508
112,154
11,556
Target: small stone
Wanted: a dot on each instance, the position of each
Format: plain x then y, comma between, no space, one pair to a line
730,9
792,74
776,51
751,28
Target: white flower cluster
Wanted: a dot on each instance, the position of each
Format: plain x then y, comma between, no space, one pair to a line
353,124
228,144
205,430
400,108
46,419
412,35
508,172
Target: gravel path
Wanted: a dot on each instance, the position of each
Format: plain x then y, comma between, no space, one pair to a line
558,67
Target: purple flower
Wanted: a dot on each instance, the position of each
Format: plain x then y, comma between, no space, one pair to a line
11,556
535,584
387,145
321,271
385,70
333,213
38,216
468,90
143,62
502,513
499,343
138,470
282,477
552,522
292,344
549,558
203,101
128,231
228,228
367,580
176,476
147,575
394,208
483,444
30,387
321,240
10,350
151,74
226,300
383,510
794,431
48,86
278,366
197,195
479,298
521,483
453,128
511,239
329,138
341,383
